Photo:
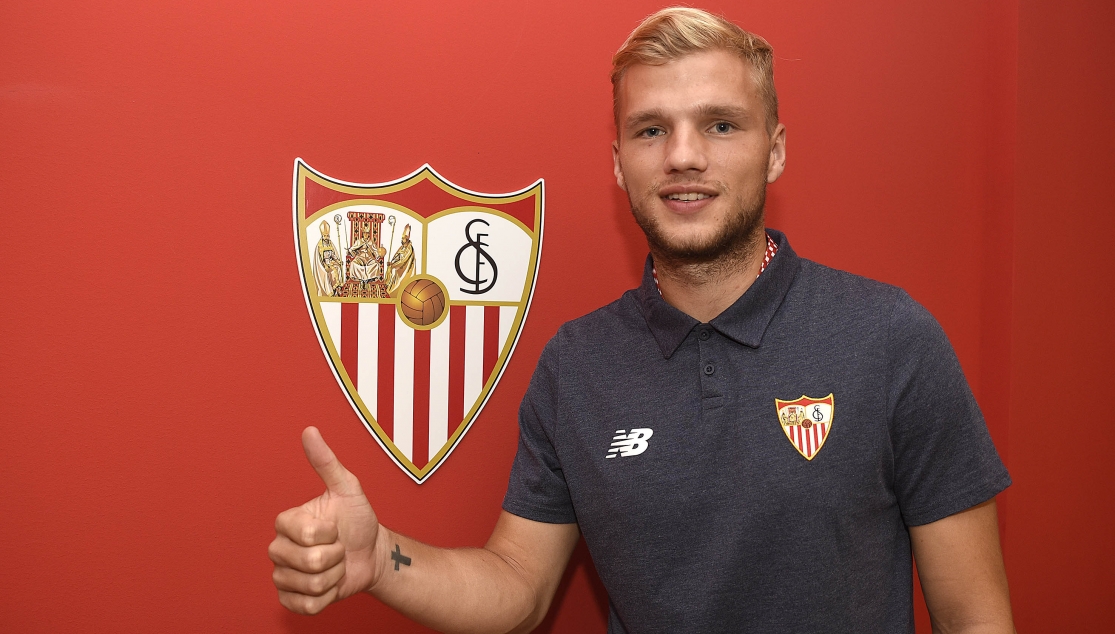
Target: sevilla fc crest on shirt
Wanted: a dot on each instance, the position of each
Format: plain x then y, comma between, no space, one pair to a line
807,422
418,289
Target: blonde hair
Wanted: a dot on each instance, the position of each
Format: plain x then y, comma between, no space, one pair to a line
675,32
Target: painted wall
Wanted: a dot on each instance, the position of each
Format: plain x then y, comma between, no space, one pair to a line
1060,513
157,362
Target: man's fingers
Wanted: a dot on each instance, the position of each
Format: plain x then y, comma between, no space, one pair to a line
304,529
315,585
337,479
309,559
304,604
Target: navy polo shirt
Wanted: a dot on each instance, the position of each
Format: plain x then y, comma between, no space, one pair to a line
661,437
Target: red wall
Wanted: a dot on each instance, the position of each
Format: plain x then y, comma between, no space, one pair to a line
157,362
1060,516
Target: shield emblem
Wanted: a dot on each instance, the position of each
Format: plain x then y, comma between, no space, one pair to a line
418,289
807,422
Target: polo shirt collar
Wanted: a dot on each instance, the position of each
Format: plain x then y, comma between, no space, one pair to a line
744,322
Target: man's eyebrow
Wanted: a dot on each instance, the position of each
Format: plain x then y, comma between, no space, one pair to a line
723,111
720,111
642,117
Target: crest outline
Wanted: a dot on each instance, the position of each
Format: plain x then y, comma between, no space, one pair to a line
807,432
469,201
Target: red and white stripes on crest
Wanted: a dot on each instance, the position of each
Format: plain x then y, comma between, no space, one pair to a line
418,384
808,441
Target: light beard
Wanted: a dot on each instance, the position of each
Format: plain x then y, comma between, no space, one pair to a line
733,244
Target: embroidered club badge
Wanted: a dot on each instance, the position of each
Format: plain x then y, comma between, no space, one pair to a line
418,290
806,422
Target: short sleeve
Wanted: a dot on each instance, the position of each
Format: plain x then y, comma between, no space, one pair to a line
944,460
537,489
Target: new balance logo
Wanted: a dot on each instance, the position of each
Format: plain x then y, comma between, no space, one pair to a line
630,444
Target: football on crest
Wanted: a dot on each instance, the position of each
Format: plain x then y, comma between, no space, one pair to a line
422,302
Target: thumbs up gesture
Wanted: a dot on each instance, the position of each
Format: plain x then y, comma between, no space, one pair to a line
325,550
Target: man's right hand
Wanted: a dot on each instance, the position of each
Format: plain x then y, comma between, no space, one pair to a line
333,547
325,550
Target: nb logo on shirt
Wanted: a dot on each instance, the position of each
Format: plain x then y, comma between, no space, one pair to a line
630,444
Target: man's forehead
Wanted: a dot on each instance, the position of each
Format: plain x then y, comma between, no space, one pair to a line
708,82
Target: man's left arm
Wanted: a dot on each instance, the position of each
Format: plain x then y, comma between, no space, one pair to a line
960,566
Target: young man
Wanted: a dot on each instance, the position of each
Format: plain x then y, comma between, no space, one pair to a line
690,431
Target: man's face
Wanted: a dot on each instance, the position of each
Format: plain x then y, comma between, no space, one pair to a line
694,155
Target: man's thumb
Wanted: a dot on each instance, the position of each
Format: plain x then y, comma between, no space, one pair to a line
337,479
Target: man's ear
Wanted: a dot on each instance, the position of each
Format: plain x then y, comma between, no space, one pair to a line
617,169
777,161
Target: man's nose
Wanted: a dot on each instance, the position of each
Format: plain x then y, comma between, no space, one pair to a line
686,150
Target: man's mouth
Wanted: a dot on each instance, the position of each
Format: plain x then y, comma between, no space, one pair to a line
687,196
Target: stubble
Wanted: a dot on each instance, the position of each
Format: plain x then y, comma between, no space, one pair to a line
733,244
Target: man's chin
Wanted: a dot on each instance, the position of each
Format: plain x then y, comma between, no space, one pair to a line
729,240
726,244
693,250
688,256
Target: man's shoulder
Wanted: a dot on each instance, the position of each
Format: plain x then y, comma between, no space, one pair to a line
615,318
848,295
599,337
844,286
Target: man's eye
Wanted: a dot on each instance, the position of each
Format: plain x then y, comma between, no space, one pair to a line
722,128
653,132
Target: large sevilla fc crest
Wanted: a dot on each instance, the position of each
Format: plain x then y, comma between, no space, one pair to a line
418,289
807,422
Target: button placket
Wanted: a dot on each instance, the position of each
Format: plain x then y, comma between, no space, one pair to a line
706,367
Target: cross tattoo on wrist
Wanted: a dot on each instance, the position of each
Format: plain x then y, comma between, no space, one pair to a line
398,558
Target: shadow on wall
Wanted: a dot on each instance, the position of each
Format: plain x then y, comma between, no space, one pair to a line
580,560
634,242
773,210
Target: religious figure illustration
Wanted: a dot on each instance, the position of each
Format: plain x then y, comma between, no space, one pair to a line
363,255
327,266
365,259
402,264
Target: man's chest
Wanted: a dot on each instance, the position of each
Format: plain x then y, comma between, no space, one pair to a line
725,428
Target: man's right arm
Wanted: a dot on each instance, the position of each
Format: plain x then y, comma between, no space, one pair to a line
333,547
506,586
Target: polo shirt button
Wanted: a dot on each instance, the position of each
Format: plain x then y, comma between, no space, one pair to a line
704,335
709,369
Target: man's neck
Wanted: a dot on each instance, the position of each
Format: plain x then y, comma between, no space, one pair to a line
704,290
